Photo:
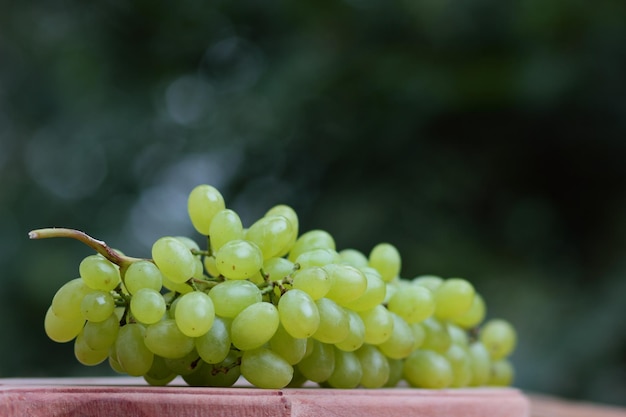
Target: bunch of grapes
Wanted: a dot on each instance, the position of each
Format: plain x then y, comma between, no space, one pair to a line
275,307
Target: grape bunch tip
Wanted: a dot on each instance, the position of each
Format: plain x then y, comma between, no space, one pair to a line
275,306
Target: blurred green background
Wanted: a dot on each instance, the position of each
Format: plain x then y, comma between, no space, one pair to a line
485,139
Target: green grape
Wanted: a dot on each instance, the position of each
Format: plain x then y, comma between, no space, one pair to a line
254,326
502,373
113,362
298,314
375,366
231,297
265,369
310,342
474,316
453,298
319,365
210,266
194,314
165,339
314,281
97,306
334,322
142,274
147,306
378,324
347,372
346,283
277,269
132,354
203,204
181,287
214,345
413,303
386,259
480,363
401,342
396,369
188,242
225,226
356,334
460,362
174,259
298,380
374,294
457,335
432,282
198,271
499,338
99,273
62,330
427,369
419,333
437,336
290,214
313,239
239,259
185,365
353,258
317,257
101,335
288,347
223,374
159,374
67,300
273,235
86,355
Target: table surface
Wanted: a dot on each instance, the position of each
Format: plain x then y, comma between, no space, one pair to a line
123,396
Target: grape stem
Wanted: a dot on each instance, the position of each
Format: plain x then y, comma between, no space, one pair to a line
98,245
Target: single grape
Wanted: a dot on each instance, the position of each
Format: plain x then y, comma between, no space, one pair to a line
276,269
239,259
101,335
288,347
317,257
225,226
396,369
254,326
194,314
314,281
231,297
334,322
264,368
319,365
428,369
474,316
458,335
432,282
67,300
353,258
165,339
453,298
502,373
214,345
174,259
210,266
437,337
386,259
181,287
97,306
499,337
375,366
86,355
142,274
273,235
290,214
99,273
413,303
132,354
188,242
298,314
378,325
401,342
346,283
147,306
313,239
62,330
159,374
347,372
480,363
460,362
203,204
356,334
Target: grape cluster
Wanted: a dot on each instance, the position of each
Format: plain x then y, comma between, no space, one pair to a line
275,307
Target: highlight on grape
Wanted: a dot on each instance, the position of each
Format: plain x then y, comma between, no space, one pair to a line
275,307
